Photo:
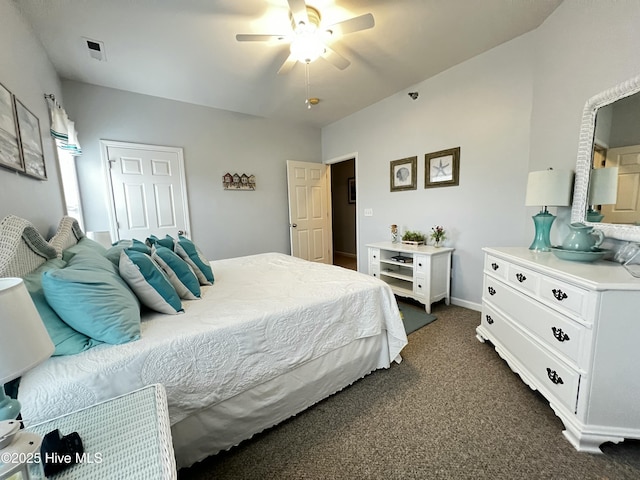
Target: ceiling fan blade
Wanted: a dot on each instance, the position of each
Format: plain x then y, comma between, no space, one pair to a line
355,24
335,59
287,65
253,37
298,11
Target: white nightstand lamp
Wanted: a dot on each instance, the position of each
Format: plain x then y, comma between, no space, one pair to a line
547,188
24,343
603,190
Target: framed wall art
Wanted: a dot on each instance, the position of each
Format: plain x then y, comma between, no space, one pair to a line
30,142
403,174
351,189
9,140
238,182
442,169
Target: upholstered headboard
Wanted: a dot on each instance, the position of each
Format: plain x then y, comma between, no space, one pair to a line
23,249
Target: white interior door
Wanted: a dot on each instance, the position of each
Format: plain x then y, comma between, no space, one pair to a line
309,208
627,207
148,190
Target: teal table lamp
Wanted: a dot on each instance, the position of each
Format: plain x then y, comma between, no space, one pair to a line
544,189
603,190
24,341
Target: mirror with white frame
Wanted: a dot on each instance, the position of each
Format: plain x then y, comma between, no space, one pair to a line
609,136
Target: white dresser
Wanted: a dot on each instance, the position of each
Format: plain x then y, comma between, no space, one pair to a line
571,331
424,275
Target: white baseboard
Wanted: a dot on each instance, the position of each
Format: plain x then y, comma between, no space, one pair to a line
466,304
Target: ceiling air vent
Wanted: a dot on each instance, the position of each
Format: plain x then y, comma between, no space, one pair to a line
96,49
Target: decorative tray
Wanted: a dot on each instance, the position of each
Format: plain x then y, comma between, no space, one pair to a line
579,256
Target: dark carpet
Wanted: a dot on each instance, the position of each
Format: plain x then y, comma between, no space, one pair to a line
451,410
414,316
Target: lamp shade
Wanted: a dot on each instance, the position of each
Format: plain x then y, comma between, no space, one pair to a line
603,186
24,341
549,188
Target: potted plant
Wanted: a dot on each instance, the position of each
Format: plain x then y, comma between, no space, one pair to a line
413,238
438,235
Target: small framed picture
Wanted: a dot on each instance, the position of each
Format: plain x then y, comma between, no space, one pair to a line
351,189
9,140
403,174
442,169
30,142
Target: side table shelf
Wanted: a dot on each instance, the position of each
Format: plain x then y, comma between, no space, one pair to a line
125,437
423,274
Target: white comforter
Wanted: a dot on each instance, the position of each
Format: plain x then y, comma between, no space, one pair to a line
264,315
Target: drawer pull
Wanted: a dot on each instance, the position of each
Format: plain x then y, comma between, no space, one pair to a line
419,286
521,278
489,319
495,266
492,291
419,264
560,335
554,377
559,294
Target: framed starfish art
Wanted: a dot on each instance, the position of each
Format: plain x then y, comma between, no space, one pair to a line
442,169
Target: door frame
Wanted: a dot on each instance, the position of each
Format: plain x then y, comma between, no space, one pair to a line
343,158
104,152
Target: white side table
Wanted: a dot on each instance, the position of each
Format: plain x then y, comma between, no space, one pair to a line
126,437
424,273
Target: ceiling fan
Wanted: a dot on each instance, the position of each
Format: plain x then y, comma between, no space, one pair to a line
308,39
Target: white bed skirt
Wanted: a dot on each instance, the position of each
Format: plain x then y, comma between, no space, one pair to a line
225,424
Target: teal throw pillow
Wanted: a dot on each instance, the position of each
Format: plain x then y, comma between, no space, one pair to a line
84,245
194,257
178,271
94,300
67,341
167,241
114,252
149,282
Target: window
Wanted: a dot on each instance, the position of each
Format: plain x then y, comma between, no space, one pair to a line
70,187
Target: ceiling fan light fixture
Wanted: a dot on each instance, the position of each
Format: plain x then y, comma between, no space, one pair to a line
307,47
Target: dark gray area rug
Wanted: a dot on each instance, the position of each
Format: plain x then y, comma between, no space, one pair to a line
453,409
414,316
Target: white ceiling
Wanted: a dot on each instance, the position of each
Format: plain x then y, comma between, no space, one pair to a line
186,49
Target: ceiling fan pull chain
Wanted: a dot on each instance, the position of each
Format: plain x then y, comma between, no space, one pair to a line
306,75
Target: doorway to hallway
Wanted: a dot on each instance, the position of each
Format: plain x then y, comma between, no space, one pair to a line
343,213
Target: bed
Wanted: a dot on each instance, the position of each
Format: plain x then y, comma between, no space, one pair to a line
272,336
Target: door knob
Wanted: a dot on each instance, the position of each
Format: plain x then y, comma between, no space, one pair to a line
294,225
180,232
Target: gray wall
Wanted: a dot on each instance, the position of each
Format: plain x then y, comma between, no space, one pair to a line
223,223
27,72
482,106
514,109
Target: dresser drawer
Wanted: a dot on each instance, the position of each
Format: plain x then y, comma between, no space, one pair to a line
496,266
564,296
559,295
524,278
374,256
420,285
420,264
557,332
551,374
374,270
